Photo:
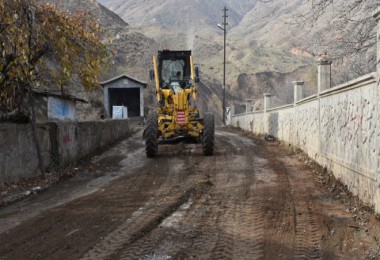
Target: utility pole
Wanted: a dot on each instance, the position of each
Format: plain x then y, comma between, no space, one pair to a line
224,64
224,28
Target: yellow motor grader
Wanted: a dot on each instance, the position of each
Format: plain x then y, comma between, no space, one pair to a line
177,116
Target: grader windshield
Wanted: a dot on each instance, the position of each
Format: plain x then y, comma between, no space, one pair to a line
174,66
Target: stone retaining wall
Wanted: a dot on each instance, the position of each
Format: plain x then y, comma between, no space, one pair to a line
61,143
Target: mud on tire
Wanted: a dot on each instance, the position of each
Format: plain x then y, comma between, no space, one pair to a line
208,134
150,135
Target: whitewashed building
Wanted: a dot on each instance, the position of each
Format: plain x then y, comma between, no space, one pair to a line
124,91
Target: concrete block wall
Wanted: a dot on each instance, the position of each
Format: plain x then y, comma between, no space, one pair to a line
18,158
76,140
61,143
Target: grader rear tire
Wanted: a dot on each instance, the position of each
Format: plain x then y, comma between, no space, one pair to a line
150,135
208,134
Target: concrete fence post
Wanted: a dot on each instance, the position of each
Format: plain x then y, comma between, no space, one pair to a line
248,105
230,112
267,101
376,15
298,90
324,74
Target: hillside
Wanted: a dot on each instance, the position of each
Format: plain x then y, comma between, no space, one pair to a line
130,52
177,24
262,37
179,14
258,39
125,42
265,49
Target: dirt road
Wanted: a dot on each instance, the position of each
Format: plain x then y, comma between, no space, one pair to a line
251,200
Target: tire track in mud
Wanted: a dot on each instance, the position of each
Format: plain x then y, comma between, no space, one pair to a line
251,200
298,213
173,192
225,220
228,220
251,228
228,212
77,216
158,243
308,234
134,228
237,215
308,243
167,239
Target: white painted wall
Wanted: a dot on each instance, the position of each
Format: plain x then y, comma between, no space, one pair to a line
339,128
61,109
122,82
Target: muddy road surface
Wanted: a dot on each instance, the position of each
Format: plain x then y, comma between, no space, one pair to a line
251,200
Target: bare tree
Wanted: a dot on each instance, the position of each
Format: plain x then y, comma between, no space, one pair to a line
347,29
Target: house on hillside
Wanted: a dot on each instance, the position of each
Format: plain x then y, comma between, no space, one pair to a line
50,106
124,94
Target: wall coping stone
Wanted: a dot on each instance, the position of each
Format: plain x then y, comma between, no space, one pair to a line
249,113
280,107
307,99
298,83
356,83
324,61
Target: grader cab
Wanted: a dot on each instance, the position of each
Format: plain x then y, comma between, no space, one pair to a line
177,116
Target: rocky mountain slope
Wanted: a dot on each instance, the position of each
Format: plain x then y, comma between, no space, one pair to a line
106,17
128,45
258,39
130,52
265,50
262,37
256,31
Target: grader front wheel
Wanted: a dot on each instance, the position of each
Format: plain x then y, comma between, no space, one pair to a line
208,134
150,135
